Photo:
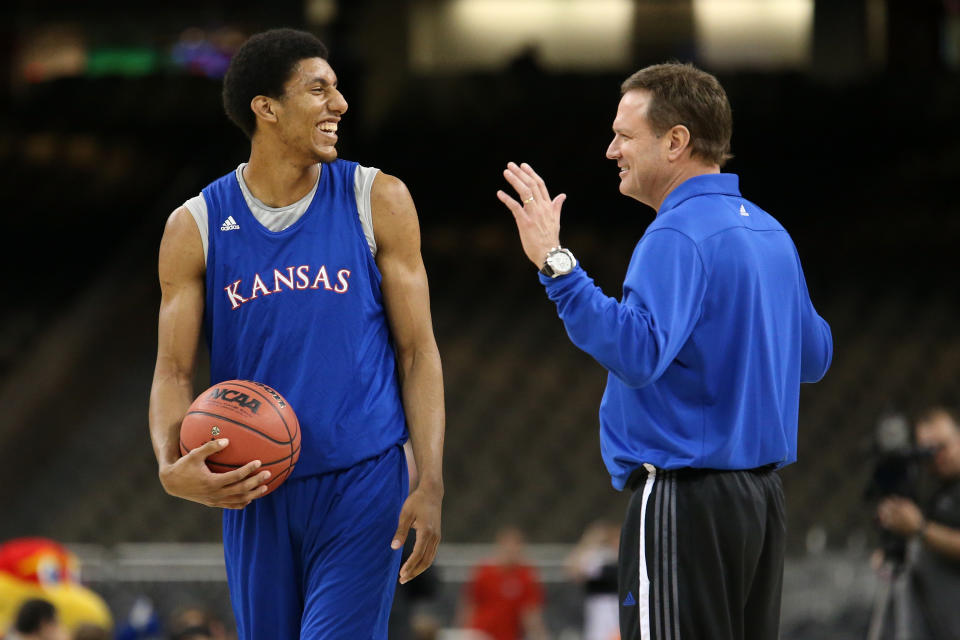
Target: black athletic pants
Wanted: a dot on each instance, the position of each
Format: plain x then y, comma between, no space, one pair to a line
701,555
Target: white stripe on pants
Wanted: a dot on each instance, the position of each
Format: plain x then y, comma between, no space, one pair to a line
643,590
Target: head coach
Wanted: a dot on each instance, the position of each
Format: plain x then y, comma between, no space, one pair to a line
705,351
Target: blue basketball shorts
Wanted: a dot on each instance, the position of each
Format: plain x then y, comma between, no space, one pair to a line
312,560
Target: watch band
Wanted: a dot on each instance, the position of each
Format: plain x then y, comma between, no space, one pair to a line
548,270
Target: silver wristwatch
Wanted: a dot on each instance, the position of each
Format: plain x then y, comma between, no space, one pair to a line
559,262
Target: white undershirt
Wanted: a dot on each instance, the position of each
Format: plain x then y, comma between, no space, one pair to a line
279,218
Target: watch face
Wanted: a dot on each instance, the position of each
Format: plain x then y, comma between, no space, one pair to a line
561,262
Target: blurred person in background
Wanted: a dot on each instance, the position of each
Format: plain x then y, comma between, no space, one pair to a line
504,598
196,623
37,620
705,351
142,621
932,533
593,563
346,337
90,632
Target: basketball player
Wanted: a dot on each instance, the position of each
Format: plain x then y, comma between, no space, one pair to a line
705,352
304,272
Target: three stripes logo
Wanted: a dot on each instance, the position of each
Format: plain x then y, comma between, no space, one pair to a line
229,224
629,601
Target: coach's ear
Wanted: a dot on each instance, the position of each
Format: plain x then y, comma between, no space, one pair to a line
677,140
262,107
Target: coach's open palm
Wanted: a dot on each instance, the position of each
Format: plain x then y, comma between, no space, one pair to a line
537,217
421,511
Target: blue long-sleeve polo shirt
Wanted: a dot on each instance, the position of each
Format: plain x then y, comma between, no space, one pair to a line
710,342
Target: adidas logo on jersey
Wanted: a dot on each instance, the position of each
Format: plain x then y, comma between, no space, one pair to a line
229,224
743,211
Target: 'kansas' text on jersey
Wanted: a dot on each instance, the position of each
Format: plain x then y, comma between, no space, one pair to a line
301,310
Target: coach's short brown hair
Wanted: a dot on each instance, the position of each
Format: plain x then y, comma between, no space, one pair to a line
683,94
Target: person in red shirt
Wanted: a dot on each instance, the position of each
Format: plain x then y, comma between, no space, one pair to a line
504,597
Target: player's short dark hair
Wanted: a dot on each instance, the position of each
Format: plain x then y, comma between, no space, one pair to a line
261,67
33,614
683,94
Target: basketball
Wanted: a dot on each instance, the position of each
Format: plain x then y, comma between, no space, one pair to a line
259,423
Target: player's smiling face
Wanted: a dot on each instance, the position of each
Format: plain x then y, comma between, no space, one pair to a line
640,155
309,111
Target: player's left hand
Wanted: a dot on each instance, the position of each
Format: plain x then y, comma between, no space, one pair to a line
421,511
538,217
900,515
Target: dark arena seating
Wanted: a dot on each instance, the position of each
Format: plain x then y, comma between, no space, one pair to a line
76,352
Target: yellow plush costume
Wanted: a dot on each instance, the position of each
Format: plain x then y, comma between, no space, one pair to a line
41,568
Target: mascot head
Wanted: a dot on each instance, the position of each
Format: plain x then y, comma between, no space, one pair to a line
41,568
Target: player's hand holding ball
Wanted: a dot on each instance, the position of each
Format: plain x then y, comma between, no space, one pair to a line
265,436
190,478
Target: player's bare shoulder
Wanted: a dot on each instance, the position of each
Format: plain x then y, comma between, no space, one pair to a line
394,214
181,249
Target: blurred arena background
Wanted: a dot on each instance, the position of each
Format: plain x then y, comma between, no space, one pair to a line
845,128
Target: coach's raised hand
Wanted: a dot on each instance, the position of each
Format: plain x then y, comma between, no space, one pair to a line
190,478
537,216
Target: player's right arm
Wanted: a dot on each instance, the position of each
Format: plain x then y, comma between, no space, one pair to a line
181,269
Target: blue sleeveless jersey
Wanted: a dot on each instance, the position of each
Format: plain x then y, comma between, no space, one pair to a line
301,310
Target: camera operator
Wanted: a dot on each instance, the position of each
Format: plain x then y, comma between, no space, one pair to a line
934,581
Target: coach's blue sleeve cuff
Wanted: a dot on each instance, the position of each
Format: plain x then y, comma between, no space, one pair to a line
561,283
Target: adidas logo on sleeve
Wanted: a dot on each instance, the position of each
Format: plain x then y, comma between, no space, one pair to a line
229,224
